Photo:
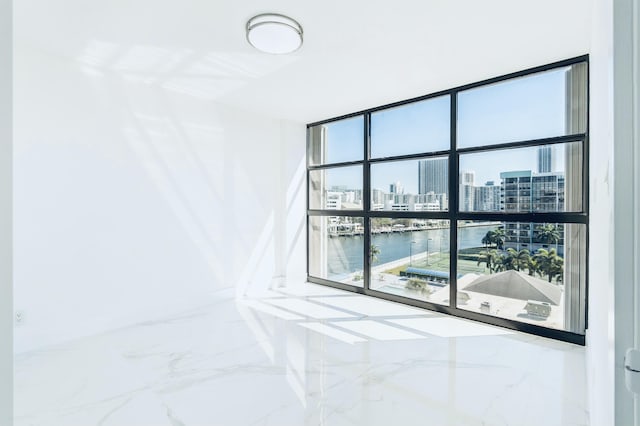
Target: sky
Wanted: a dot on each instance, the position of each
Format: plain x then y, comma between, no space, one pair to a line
526,108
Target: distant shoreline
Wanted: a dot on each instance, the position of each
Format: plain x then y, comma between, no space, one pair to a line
390,230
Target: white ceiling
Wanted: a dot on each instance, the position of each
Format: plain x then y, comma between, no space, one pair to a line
357,53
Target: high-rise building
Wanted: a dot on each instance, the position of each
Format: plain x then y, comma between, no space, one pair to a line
467,177
378,198
396,188
487,197
433,176
546,159
516,191
524,191
548,192
467,191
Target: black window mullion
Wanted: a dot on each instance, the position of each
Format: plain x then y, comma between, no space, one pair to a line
556,140
544,217
454,200
585,176
308,196
349,213
523,73
411,214
308,238
418,156
366,202
335,165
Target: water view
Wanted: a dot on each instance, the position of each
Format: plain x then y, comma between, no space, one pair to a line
345,257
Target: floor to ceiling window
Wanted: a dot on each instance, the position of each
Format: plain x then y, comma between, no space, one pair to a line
471,201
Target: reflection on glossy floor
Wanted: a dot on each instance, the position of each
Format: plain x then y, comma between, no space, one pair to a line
304,356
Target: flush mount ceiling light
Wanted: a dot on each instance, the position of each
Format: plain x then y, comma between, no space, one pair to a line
274,33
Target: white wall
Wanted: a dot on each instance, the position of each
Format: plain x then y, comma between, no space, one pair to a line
295,220
134,199
6,309
601,278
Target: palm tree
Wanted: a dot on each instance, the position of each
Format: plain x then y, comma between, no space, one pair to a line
543,261
517,259
532,265
510,259
524,259
499,263
487,239
549,263
375,253
557,269
496,237
493,260
484,257
548,233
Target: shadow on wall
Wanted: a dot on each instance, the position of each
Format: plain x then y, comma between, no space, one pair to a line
233,180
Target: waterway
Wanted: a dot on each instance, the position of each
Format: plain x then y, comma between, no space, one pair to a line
345,254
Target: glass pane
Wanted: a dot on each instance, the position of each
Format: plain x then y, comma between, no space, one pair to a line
410,258
336,249
413,185
523,271
338,188
535,179
414,128
336,142
547,104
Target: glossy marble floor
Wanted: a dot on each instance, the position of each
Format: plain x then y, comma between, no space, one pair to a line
305,356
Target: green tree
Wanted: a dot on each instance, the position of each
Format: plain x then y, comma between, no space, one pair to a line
531,265
510,259
517,260
487,239
524,259
375,253
549,263
494,237
548,233
500,264
557,269
499,237
492,259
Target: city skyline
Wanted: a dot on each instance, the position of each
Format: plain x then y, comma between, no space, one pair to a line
539,192
482,164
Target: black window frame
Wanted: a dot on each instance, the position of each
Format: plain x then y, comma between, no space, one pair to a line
452,214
